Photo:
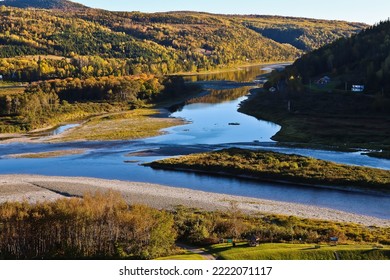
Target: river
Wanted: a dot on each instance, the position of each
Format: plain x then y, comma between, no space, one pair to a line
213,123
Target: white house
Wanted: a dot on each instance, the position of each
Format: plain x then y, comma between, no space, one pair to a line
357,88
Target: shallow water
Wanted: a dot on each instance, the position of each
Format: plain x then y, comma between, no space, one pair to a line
212,125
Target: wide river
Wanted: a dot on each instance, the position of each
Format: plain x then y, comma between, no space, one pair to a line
213,123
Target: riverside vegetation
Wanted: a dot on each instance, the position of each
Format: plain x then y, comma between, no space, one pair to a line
103,226
273,166
48,103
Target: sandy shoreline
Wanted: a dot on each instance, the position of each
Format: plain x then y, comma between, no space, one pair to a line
37,188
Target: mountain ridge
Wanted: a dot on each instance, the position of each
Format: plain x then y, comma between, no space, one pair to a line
43,4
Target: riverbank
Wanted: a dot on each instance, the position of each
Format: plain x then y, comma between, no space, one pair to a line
33,188
134,124
332,120
51,154
232,68
282,168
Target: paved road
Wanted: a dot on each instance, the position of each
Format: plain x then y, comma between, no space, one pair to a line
196,250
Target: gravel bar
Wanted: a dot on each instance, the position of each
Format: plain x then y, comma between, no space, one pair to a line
33,188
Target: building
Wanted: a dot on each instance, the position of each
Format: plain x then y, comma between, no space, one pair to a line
357,88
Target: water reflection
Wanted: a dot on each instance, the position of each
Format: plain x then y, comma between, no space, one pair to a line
212,123
220,96
243,74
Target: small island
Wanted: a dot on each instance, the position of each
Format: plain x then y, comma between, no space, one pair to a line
276,167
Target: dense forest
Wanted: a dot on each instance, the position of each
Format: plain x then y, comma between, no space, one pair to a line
97,226
362,59
158,43
305,34
49,102
315,102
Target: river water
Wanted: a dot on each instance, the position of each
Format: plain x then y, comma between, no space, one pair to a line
213,123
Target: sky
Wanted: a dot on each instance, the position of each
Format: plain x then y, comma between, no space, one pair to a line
368,11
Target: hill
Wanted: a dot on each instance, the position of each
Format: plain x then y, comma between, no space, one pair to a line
159,43
363,59
42,4
314,109
303,33
83,55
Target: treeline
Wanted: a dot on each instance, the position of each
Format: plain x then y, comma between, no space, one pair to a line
99,226
54,101
103,226
129,89
200,227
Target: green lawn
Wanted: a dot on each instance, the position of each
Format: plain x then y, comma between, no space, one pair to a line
283,251
185,256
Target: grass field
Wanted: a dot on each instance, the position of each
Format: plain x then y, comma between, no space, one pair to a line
275,251
184,257
139,123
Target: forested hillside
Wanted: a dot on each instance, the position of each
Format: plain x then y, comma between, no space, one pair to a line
363,59
304,34
314,101
123,43
89,61
42,4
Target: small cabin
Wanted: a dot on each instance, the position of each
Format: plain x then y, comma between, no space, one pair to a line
333,240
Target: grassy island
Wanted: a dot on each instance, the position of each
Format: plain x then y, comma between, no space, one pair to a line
271,166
